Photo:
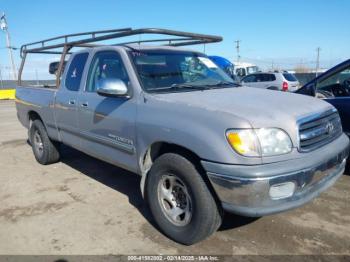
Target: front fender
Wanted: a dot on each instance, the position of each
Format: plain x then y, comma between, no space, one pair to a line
199,130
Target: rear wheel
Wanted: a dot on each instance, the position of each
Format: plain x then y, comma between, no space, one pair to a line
45,151
180,201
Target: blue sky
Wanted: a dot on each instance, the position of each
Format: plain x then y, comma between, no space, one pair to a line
286,32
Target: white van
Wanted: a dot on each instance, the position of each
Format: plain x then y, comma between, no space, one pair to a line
242,69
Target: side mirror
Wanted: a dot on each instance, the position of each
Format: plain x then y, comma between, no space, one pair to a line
309,90
112,87
53,67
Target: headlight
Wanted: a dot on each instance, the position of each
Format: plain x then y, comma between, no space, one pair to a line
244,141
259,142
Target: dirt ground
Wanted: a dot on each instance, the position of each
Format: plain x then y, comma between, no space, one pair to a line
84,206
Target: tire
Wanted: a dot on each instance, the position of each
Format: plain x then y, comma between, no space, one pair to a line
273,88
174,180
45,151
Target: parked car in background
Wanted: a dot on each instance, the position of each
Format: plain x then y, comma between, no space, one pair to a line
334,87
282,81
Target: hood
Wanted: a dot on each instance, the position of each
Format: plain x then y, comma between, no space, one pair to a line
260,107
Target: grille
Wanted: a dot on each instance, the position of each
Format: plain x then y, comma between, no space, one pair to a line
318,130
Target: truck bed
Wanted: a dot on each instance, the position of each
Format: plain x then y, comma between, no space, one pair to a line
37,99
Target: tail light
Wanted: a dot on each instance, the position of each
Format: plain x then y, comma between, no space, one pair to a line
285,86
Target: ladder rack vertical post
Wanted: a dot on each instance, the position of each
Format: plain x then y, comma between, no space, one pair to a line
60,67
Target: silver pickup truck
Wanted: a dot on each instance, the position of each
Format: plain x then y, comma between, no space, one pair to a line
202,144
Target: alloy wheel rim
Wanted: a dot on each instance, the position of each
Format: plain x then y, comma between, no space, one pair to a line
38,144
175,200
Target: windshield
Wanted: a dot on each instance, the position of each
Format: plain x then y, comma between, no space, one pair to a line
175,70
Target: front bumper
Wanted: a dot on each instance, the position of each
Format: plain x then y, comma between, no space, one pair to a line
244,190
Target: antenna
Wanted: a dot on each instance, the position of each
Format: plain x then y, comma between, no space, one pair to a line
4,27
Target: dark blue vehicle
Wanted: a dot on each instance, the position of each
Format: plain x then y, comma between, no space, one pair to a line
225,65
334,87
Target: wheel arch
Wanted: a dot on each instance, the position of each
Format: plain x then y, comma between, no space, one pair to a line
159,148
33,115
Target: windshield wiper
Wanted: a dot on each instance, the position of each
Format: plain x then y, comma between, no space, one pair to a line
223,83
189,86
192,86
178,87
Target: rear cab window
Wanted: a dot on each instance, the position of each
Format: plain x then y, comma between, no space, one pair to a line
75,71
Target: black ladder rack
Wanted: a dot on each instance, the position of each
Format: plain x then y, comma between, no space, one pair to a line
63,44
180,39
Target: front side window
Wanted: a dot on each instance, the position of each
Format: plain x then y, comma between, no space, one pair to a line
337,84
106,65
260,78
75,71
266,78
249,79
176,70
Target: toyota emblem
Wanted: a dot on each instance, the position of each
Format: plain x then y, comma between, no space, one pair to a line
329,127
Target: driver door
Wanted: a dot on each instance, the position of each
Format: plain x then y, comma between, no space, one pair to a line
107,124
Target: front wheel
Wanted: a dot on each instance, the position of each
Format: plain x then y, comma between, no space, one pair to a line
180,201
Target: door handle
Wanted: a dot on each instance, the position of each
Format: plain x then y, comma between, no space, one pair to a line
71,102
85,104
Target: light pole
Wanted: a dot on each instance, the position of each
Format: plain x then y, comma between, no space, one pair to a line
4,27
318,60
237,49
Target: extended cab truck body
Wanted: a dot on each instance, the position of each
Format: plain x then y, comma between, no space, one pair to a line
200,143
